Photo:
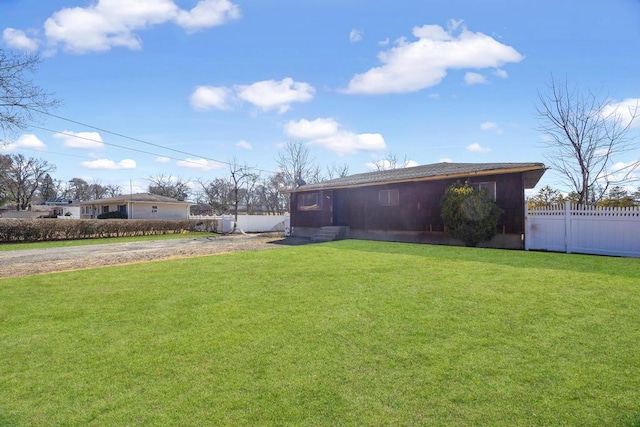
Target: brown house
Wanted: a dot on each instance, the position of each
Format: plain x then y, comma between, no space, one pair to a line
404,204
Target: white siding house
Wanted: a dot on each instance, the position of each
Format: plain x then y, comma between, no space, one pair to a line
138,206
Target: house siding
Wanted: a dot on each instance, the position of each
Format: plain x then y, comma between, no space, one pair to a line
417,215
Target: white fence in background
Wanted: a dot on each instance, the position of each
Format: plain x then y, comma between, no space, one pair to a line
249,223
584,229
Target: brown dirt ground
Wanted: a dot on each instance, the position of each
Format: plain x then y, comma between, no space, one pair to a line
39,261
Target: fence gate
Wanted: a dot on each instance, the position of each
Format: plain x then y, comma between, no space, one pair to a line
583,229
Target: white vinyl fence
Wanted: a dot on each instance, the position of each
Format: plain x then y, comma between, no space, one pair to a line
584,229
249,223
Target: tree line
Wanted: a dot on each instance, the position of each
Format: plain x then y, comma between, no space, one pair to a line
615,197
26,181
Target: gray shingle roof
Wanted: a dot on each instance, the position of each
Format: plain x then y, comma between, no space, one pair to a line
430,172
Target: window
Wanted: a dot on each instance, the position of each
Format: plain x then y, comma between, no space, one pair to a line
389,197
105,209
309,201
122,209
154,209
487,187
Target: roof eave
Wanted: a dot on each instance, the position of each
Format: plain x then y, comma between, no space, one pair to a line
501,171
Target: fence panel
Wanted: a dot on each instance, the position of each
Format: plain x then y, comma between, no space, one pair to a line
250,223
590,230
545,229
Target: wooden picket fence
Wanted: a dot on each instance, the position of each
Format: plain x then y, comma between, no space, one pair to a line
583,229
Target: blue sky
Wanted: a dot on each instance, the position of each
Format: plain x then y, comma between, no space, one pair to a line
357,80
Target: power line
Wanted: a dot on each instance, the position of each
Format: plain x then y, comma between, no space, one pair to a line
133,139
120,146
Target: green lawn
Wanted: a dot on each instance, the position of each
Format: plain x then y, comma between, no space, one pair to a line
345,333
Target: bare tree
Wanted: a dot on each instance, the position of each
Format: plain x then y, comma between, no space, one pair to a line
269,193
168,186
583,134
21,178
296,165
218,193
391,162
113,190
77,189
20,99
337,170
240,174
97,191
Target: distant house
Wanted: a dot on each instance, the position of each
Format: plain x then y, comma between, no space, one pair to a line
138,206
404,204
60,206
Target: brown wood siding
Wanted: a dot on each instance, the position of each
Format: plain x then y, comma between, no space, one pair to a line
313,218
418,208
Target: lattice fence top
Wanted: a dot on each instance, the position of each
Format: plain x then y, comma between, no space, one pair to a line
582,210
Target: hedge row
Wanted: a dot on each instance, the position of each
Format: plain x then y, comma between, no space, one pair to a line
38,230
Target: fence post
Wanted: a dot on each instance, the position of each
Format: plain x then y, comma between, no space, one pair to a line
527,226
567,227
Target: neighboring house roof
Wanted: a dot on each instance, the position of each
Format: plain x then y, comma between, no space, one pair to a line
61,201
532,174
135,198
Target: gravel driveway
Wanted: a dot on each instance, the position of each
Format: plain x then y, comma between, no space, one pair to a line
37,261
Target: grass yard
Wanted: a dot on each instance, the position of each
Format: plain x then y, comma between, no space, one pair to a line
343,333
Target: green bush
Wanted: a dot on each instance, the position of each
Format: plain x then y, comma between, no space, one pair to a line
113,215
469,214
38,230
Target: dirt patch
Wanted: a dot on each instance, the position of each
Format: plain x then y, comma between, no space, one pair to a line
38,261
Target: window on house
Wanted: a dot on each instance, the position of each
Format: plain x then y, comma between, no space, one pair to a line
487,187
309,201
122,209
154,209
105,209
389,197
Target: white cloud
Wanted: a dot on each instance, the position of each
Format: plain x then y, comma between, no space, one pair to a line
245,145
477,148
326,132
18,39
355,36
266,95
82,140
501,73
163,159
474,79
207,13
624,111
384,42
275,95
206,97
445,160
311,129
413,66
349,142
106,24
200,164
491,126
622,171
29,141
107,164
